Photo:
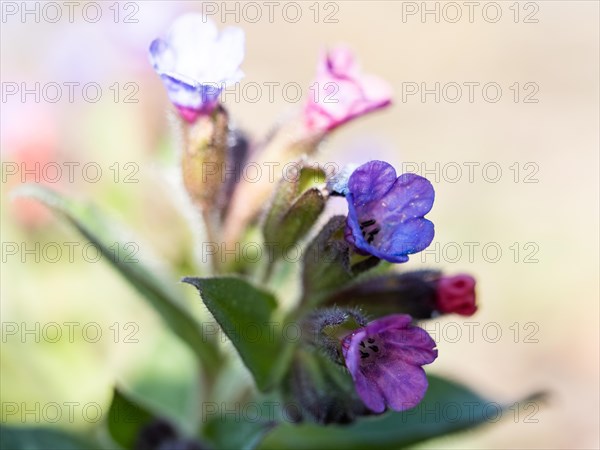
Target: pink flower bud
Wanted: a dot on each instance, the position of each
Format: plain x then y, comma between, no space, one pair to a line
456,294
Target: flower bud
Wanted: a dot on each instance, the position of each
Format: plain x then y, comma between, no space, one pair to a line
421,294
204,158
278,157
196,62
412,293
456,294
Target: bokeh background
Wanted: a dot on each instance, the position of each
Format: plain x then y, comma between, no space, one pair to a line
549,208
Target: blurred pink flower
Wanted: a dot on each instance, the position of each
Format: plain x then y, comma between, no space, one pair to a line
341,92
27,153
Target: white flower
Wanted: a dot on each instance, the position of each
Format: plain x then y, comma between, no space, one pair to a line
196,62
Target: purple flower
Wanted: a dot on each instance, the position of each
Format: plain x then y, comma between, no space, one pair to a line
385,213
195,63
385,359
341,92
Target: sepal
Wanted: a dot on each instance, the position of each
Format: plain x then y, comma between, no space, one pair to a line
323,392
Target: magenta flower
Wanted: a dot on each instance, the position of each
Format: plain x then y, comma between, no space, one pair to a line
385,359
341,92
195,63
456,295
385,213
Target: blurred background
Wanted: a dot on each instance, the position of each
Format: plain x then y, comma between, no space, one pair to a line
496,105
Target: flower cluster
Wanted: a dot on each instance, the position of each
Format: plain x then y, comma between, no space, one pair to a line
386,221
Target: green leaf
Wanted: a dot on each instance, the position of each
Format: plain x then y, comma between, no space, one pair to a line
30,438
245,314
447,407
167,377
104,235
125,419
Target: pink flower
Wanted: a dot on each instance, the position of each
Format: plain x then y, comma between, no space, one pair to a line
456,295
341,92
31,139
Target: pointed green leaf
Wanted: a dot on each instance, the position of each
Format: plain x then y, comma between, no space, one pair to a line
245,314
447,407
166,376
104,235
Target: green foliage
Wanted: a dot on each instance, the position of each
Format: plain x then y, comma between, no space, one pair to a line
447,407
102,232
30,438
247,434
125,419
246,315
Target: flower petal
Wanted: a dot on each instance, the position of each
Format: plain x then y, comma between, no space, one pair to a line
371,181
366,389
370,393
397,207
403,385
192,37
195,63
228,56
161,56
341,92
408,237
391,322
339,62
412,345
411,196
185,93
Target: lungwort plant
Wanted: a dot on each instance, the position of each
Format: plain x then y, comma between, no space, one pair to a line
321,315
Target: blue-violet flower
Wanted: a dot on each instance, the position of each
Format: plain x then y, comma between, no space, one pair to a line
385,213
